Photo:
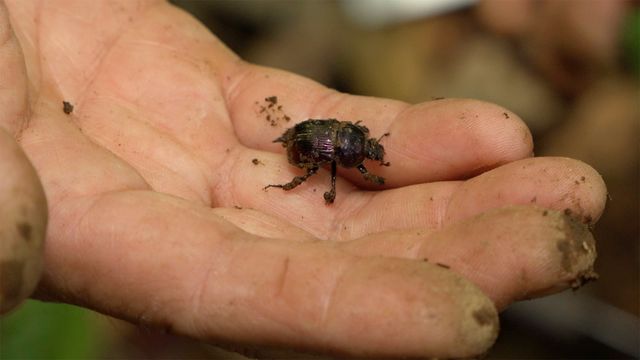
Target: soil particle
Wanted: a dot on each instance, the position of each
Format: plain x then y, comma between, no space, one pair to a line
25,230
588,220
272,111
578,252
67,107
271,100
564,247
584,278
256,162
484,316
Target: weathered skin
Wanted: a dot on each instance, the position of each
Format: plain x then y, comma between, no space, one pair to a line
316,142
23,222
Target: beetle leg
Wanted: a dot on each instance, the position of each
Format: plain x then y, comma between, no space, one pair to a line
382,162
282,139
369,176
296,180
330,195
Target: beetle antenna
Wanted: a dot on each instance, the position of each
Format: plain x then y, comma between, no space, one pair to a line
383,135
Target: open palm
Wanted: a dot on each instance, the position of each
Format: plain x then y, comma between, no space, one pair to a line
158,214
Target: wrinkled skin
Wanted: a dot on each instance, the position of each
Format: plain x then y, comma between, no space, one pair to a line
143,179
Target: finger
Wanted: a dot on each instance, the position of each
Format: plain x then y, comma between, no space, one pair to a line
161,261
566,185
557,183
511,253
438,140
548,182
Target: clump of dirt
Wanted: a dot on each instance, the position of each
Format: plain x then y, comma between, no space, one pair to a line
272,111
578,251
67,107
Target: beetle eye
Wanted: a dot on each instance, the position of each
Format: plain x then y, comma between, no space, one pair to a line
379,152
374,151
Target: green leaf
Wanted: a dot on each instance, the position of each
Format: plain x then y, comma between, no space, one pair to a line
40,330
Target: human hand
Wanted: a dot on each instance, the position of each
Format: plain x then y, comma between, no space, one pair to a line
143,178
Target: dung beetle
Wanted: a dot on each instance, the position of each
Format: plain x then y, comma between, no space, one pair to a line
317,142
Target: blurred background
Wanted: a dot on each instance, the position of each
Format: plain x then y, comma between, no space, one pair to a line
569,68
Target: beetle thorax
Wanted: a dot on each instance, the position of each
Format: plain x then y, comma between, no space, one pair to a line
350,145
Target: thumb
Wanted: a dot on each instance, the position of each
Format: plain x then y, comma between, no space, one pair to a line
23,218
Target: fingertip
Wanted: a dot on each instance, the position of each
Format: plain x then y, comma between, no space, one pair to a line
480,325
502,133
574,187
576,248
590,187
516,252
413,310
551,252
451,139
557,183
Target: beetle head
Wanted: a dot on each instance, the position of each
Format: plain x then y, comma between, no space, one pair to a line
374,151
